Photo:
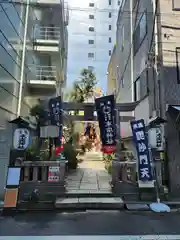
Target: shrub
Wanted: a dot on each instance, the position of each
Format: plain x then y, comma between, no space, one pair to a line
32,154
108,167
71,155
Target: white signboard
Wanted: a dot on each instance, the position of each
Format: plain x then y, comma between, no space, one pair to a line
49,131
53,174
21,138
13,176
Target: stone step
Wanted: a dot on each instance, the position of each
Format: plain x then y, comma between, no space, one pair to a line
86,194
108,203
42,205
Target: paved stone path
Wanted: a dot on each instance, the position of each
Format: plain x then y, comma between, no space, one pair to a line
90,176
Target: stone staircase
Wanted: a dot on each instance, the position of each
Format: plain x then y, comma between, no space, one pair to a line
93,156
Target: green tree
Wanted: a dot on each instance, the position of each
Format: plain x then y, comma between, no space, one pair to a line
83,88
39,113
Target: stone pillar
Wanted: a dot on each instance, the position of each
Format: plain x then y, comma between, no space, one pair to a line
116,166
35,174
44,173
26,174
62,170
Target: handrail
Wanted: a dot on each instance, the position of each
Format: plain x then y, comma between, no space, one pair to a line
47,32
46,73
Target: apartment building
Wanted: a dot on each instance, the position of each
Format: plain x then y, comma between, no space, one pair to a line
92,35
48,29
149,68
33,50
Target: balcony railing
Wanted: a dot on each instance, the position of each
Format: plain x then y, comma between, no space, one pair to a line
43,73
46,33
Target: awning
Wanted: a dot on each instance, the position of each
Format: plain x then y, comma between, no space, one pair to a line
156,121
23,121
175,110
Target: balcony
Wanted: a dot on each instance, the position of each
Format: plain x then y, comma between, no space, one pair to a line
43,77
46,38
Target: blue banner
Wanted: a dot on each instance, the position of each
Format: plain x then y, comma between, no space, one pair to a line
105,107
141,142
55,111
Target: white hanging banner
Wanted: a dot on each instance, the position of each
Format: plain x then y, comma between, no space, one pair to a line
21,138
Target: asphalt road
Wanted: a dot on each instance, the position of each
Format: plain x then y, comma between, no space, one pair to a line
90,223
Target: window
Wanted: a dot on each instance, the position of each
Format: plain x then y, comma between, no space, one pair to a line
141,86
109,2
176,5
122,38
137,95
178,64
122,5
91,4
110,40
110,15
109,52
134,3
109,27
90,55
91,41
119,3
91,68
140,32
91,16
91,29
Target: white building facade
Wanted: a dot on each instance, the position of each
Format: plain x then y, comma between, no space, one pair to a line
92,35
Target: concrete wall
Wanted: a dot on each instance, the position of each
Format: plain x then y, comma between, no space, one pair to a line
5,144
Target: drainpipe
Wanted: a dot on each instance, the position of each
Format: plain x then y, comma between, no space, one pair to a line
158,54
132,55
23,58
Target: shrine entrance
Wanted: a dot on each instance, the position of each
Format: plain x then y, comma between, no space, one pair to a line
93,173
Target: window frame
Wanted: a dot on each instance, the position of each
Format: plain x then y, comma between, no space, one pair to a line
135,90
89,42
178,64
91,16
91,68
143,89
122,38
92,29
91,4
140,40
175,8
135,2
89,55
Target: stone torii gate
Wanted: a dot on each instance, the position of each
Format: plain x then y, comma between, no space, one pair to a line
89,109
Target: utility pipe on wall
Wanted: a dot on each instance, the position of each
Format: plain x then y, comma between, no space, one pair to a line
23,59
